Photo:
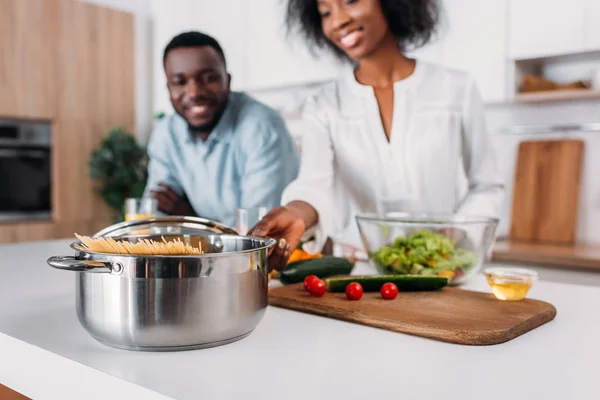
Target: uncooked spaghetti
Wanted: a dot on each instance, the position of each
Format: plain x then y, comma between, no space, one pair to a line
141,247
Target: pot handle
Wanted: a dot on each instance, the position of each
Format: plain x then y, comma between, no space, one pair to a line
70,263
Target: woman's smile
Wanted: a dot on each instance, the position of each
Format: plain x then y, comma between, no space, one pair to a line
351,39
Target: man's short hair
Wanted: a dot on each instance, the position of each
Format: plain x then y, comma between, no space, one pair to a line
193,39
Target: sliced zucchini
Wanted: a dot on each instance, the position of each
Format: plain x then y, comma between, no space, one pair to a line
321,267
374,283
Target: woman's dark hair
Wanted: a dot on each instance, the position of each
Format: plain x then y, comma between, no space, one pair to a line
412,22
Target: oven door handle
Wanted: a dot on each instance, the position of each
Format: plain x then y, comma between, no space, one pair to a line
21,153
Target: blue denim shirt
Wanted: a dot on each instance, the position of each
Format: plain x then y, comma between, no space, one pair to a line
246,162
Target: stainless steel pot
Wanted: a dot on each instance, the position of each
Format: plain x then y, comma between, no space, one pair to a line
165,303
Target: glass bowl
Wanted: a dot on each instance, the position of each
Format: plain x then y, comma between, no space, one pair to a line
450,245
510,284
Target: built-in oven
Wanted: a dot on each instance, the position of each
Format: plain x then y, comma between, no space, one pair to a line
25,177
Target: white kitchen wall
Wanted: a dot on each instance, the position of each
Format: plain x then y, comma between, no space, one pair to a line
142,11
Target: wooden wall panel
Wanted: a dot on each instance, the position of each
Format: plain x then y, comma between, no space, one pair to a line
33,231
28,59
90,90
38,231
97,93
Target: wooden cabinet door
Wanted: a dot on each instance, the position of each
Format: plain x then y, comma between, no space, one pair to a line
28,45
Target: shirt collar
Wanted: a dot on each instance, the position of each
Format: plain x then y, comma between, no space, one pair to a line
349,80
352,92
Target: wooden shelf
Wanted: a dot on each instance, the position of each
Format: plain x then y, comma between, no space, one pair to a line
578,56
585,256
557,95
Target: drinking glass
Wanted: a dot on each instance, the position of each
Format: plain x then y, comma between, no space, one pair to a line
245,218
140,208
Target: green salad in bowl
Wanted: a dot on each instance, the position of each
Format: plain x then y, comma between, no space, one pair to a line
424,253
447,245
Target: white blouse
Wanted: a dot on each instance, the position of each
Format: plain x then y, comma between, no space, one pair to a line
439,157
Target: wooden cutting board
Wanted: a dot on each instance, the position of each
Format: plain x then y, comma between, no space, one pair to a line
450,315
546,191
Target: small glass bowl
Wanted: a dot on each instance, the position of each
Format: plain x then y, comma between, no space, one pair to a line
510,284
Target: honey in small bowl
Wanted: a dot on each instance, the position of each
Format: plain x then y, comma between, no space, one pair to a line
510,284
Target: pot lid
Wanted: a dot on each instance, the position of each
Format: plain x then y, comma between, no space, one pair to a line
168,225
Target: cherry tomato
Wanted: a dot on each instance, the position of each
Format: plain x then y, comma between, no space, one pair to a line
308,280
354,291
389,291
317,288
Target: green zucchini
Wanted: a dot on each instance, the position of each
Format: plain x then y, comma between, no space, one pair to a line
321,267
374,283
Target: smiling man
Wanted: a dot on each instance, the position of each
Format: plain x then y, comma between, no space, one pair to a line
221,150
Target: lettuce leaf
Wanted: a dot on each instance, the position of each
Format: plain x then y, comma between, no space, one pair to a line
424,252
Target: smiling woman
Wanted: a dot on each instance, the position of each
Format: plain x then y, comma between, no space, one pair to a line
392,134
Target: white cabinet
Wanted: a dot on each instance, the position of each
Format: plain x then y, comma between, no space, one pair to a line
253,37
478,45
474,45
592,25
275,59
539,28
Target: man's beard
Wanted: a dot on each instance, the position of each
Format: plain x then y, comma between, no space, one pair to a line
207,128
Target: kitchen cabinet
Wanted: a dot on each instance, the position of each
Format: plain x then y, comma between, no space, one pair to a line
139,7
539,28
275,59
592,25
28,88
483,54
259,53
75,68
474,45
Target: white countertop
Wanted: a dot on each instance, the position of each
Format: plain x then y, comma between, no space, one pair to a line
46,354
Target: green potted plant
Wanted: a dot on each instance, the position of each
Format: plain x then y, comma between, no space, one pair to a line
120,165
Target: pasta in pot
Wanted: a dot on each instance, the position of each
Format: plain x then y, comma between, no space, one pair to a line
141,247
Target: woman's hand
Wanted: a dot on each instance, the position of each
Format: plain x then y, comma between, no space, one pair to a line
282,223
